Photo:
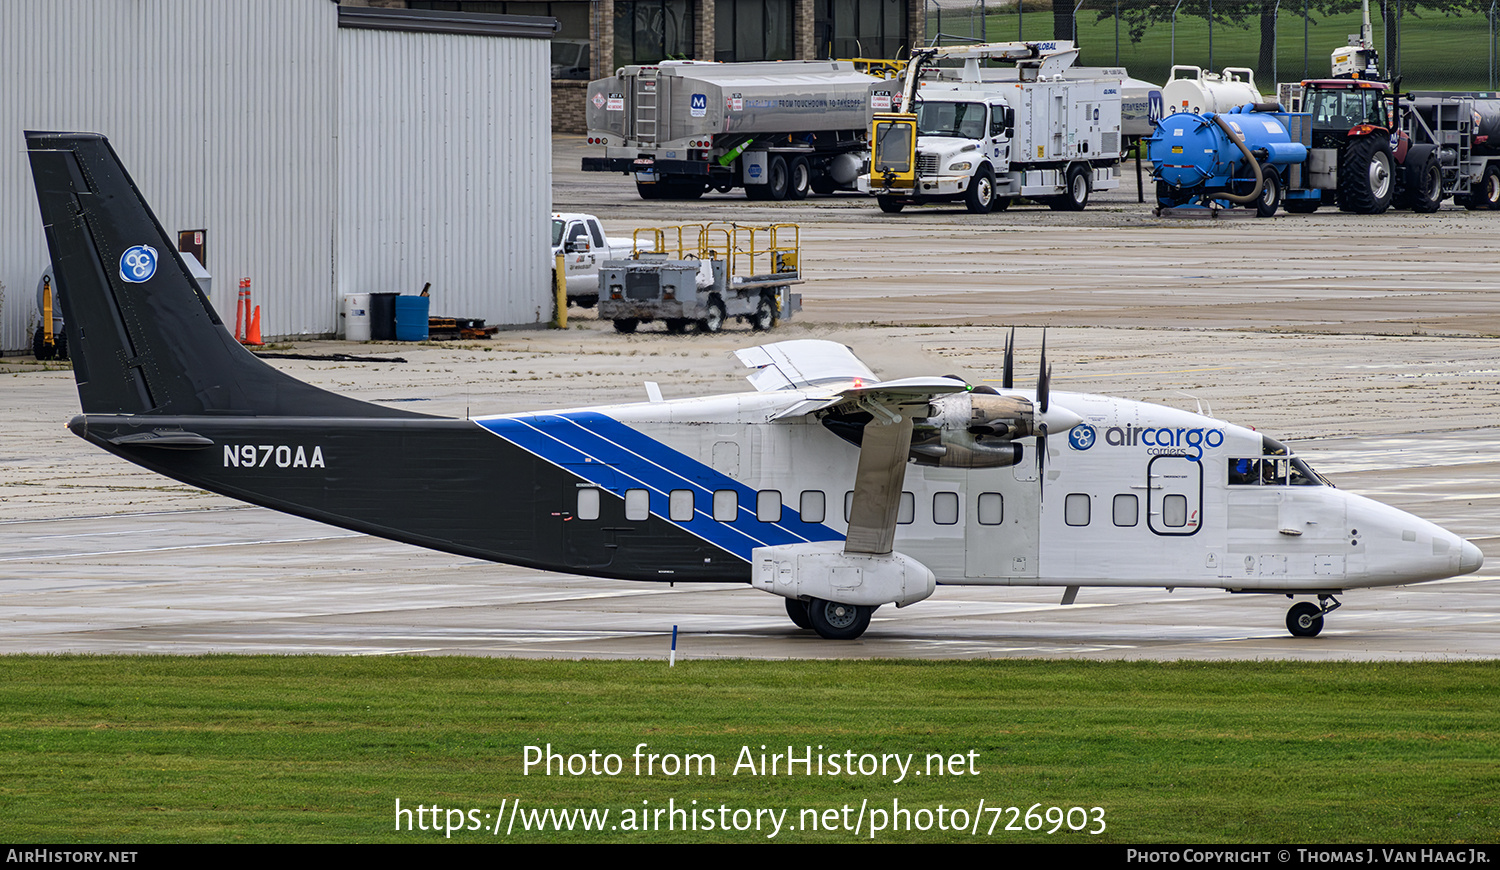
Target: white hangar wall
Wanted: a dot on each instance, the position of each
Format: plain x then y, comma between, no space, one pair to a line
445,171
322,158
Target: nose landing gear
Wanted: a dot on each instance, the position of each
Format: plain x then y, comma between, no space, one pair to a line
1305,619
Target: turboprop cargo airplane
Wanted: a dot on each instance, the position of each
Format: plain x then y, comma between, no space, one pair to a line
834,489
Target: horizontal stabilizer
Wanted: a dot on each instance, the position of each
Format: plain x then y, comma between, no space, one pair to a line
792,365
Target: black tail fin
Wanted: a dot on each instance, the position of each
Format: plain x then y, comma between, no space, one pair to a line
143,337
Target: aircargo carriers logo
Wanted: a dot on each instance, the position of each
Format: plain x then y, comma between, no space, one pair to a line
1158,441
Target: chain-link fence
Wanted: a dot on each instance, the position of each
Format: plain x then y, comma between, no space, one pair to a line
1431,44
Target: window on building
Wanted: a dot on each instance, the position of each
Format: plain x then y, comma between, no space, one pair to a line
647,31
860,28
747,30
571,45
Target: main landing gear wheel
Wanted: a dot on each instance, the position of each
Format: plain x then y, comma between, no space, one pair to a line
835,621
1305,619
796,608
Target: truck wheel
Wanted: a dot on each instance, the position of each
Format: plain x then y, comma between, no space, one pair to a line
1365,183
1301,206
1488,195
765,315
1270,192
1001,203
626,324
890,204
981,196
715,319
1425,188
1076,193
778,179
800,181
822,185
650,190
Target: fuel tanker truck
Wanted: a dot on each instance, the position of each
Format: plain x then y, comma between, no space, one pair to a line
780,130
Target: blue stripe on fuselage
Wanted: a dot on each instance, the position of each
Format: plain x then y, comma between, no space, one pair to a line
615,457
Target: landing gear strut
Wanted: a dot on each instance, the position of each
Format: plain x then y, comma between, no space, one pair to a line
1305,619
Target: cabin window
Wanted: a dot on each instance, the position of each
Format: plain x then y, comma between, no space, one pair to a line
1127,510
768,506
906,511
726,505
588,504
945,508
991,508
1174,511
848,504
680,505
813,506
1076,509
637,504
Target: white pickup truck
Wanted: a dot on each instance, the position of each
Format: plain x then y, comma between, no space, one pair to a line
584,247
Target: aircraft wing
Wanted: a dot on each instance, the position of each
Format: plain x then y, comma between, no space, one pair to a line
886,443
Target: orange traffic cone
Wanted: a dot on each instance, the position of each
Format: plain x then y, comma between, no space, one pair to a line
254,338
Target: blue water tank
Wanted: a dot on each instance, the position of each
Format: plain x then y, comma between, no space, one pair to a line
1191,151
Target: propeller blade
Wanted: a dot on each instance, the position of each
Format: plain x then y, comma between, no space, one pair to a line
1007,380
1043,380
1041,460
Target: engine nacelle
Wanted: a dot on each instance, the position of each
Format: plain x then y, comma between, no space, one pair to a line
823,570
976,429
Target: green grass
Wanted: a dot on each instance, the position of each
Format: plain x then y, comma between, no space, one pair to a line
1438,52
269,749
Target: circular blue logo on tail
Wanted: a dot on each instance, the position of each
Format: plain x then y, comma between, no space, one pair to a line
1081,437
138,264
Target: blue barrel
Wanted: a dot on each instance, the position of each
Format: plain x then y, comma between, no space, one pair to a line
411,318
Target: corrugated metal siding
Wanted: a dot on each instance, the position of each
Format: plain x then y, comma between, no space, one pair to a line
444,160
225,113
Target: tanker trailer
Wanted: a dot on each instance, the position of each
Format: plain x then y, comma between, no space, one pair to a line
778,129
1465,128
1244,156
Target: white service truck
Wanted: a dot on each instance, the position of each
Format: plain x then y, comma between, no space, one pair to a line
1045,130
584,247
780,129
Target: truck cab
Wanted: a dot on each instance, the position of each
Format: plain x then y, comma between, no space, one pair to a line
580,239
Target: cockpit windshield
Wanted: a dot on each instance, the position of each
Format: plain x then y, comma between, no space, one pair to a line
1276,466
964,120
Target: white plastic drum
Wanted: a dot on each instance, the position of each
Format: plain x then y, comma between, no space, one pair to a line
357,317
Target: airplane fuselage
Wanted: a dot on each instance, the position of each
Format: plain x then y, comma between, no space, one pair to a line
686,490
